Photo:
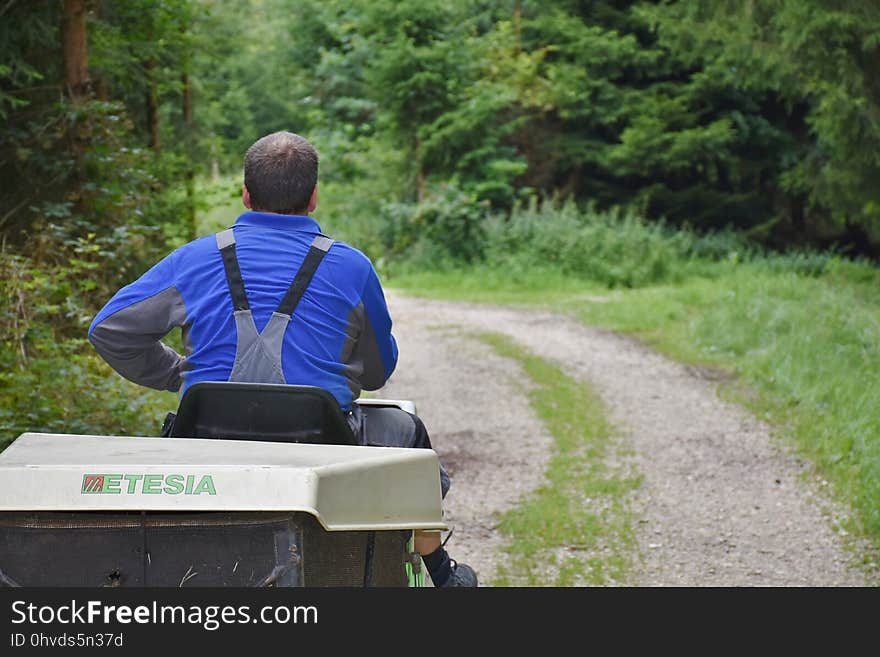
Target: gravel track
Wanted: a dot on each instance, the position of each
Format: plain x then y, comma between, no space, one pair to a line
722,502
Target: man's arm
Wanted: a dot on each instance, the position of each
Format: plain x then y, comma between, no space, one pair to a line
128,331
376,347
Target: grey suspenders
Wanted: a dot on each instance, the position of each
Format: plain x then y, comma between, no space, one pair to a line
258,355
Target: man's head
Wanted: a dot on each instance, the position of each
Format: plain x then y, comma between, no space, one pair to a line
281,174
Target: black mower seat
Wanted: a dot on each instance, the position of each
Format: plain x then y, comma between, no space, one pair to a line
261,411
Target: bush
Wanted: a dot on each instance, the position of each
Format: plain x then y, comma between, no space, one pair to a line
447,226
614,248
65,389
51,379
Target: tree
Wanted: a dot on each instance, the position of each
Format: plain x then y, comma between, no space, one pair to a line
813,70
74,37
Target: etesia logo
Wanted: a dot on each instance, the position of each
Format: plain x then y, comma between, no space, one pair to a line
148,484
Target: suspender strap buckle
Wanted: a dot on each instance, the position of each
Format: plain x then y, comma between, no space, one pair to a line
318,249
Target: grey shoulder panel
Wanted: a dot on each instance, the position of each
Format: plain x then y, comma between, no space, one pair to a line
349,357
360,353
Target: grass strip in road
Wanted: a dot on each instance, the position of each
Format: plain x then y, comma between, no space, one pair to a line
577,528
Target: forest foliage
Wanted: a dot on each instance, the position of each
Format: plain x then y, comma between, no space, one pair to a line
443,129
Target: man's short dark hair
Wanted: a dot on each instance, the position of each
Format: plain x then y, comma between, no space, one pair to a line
280,173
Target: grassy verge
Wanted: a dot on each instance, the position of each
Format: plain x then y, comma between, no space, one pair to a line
486,284
806,354
804,350
577,528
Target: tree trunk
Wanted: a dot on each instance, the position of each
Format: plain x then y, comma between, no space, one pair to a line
152,105
187,111
419,172
517,25
74,45
78,88
190,174
187,98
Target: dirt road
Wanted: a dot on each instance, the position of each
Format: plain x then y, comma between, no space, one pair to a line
721,504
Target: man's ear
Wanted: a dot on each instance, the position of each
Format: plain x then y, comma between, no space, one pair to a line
245,197
313,201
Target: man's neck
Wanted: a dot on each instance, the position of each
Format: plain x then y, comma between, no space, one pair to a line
300,213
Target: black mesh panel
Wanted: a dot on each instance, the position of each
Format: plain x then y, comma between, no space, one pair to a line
192,549
339,558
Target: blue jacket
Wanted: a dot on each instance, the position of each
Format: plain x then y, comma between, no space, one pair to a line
339,337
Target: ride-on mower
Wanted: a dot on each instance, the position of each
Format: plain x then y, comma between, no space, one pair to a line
256,485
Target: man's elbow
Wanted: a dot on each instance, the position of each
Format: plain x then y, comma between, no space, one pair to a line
106,345
371,384
376,377
97,339
158,368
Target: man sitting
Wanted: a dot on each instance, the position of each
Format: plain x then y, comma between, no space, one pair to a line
272,300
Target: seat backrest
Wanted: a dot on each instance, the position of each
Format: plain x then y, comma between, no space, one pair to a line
261,411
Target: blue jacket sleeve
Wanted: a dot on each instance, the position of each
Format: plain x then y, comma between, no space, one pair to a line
128,331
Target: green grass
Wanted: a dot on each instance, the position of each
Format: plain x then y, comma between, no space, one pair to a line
486,284
577,528
803,351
